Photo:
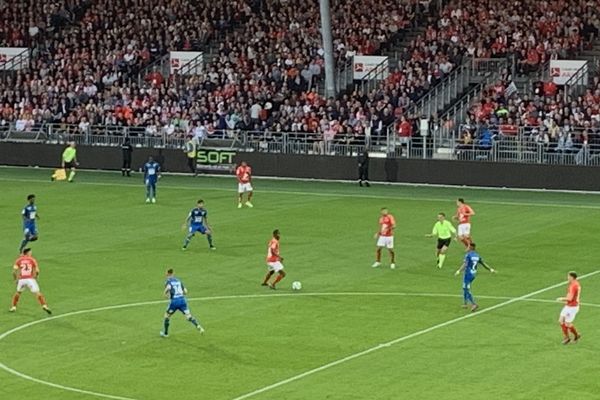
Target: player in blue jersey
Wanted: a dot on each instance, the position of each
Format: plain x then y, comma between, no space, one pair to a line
151,176
175,291
197,221
30,215
472,261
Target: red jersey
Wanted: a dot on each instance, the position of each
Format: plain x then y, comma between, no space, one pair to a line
273,251
386,225
27,267
244,174
464,214
573,293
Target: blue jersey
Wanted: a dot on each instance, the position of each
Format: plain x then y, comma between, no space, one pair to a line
472,261
176,292
197,216
29,214
151,171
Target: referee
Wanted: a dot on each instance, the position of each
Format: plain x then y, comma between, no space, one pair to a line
444,231
191,152
69,161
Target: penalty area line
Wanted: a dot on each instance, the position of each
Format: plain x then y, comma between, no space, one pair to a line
402,339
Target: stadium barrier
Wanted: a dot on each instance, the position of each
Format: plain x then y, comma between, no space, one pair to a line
444,172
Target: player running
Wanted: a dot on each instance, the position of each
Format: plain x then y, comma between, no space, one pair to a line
175,291
244,177
274,260
444,231
25,273
30,216
472,261
570,310
385,237
197,221
463,215
151,177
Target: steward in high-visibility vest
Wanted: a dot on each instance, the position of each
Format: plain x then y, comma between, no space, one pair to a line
191,152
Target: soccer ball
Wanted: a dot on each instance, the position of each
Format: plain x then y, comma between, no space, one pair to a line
296,285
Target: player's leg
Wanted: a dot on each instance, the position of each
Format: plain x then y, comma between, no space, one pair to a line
377,262
467,295
189,236
249,199
124,167
392,258
240,195
15,298
148,190
442,256
563,326
268,276
35,290
209,238
153,186
167,322
71,174
190,318
24,241
278,278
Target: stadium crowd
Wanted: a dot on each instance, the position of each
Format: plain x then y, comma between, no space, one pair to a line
87,55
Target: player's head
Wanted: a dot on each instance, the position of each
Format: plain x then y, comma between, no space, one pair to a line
244,164
170,272
384,211
150,158
26,251
276,234
460,201
571,276
472,246
31,198
200,203
72,144
441,216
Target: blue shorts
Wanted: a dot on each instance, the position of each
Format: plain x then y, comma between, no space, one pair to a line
178,305
467,281
150,181
197,228
30,230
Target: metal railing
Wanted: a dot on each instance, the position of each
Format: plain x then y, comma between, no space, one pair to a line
161,65
15,63
371,81
193,66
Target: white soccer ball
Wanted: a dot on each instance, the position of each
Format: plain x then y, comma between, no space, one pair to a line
296,285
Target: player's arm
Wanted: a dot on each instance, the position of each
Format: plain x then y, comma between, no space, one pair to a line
452,230
462,268
158,171
187,221
484,265
167,291
433,233
62,159
570,297
207,223
15,272
470,212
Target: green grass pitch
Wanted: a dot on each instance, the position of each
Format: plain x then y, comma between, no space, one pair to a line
101,245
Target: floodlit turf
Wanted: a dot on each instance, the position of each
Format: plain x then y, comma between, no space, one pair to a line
100,246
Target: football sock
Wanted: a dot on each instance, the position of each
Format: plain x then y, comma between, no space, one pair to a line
15,299
393,257
187,240
166,328
468,297
565,330
23,244
209,238
41,299
441,259
378,255
71,175
574,331
193,321
267,277
278,278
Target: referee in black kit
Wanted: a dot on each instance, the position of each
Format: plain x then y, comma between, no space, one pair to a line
126,149
363,168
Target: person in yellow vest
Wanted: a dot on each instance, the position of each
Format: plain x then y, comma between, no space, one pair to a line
69,161
191,153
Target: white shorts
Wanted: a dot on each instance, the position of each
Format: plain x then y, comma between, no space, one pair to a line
28,283
275,266
569,313
244,187
464,230
385,241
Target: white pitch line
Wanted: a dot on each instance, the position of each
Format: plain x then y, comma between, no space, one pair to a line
327,194
227,297
401,339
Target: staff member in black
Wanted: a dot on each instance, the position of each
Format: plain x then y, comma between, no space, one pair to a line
363,168
126,149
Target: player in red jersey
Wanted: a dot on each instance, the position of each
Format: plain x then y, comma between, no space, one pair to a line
385,237
570,310
463,215
274,260
25,273
244,177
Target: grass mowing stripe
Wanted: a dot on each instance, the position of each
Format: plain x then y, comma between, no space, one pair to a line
402,339
323,194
